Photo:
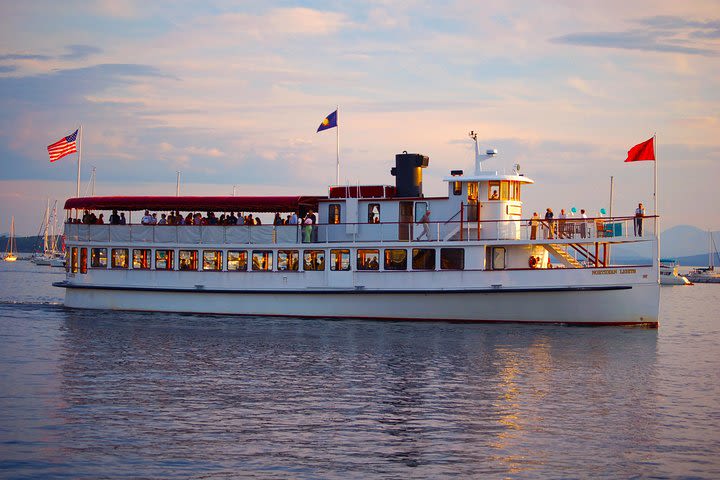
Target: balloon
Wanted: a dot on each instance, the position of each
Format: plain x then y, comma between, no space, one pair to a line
602,210
573,209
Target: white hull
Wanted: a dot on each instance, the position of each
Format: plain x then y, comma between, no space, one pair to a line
673,279
596,305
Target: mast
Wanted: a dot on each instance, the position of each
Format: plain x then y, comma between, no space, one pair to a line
77,192
46,246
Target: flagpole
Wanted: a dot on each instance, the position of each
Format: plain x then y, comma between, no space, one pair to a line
337,145
77,193
655,207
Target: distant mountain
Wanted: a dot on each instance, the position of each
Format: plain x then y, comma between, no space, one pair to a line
686,241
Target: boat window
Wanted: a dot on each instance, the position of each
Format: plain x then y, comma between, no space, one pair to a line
119,258
374,213
237,261
423,259
288,260
504,190
494,190
498,258
141,258
98,258
334,213
395,259
262,260
420,209
517,190
83,260
457,188
68,259
313,260
212,260
452,259
164,259
368,259
188,260
74,261
340,259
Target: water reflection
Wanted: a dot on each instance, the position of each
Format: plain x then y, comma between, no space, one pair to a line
283,397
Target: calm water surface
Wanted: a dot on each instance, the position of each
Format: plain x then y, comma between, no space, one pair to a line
88,394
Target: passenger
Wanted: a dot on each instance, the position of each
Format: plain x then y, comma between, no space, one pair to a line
424,221
277,220
163,220
114,218
189,219
307,229
583,225
257,221
313,219
249,220
549,226
147,218
100,220
122,218
93,218
154,219
240,219
86,217
562,226
293,219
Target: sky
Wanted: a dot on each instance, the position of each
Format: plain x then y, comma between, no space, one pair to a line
230,95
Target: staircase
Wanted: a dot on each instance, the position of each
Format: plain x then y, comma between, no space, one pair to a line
566,259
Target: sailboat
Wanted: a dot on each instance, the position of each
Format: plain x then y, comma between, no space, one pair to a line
709,274
10,255
50,255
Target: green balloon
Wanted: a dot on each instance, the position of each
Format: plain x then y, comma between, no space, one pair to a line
573,209
602,210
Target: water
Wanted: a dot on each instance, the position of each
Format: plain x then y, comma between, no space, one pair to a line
88,394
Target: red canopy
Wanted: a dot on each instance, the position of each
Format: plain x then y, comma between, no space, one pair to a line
187,204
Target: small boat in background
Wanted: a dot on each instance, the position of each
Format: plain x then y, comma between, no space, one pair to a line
709,274
10,251
669,273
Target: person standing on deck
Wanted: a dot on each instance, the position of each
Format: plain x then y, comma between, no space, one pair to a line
424,221
534,222
639,214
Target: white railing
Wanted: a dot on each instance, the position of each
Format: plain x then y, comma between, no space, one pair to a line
573,230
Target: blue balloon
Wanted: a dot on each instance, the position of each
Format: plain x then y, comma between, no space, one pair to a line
602,210
573,209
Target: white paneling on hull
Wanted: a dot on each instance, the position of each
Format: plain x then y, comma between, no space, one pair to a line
636,304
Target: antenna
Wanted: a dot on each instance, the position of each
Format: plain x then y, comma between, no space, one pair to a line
490,153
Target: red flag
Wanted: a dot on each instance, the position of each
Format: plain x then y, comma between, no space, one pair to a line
64,146
642,151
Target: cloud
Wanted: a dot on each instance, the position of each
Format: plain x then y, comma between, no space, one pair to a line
664,34
24,56
7,68
80,52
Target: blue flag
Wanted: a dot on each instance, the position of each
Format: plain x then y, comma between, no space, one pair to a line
328,122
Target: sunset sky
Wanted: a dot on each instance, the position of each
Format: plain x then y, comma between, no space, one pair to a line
231,93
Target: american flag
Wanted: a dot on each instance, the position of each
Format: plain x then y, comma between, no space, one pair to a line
64,146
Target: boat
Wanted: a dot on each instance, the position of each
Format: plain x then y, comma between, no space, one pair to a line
11,248
669,273
382,252
50,255
707,274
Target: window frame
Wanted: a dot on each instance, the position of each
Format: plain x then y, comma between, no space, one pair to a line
374,216
318,254
434,259
94,255
113,258
387,265
334,214
216,261
337,257
146,258
267,256
193,267
494,186
493,258
448,250
242,255
169,259
364,259
290,261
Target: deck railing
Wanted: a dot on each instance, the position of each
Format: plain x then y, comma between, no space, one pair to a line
559,231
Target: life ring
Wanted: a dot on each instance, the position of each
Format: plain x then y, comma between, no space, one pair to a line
533,262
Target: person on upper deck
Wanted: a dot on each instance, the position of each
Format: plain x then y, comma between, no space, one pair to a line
638,223
114,218
293,219
122,218
583,225
424,221
534,222
550,227
147,218
277,220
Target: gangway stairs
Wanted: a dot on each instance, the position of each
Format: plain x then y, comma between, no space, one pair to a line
559,252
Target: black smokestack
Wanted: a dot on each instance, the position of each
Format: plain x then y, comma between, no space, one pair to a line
408,174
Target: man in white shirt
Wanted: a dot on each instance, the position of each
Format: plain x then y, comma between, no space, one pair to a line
147,219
